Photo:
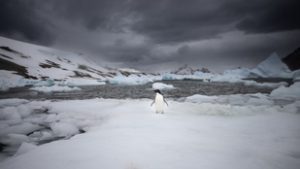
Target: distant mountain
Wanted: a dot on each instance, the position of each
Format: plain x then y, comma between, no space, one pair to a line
187,70
43,63
293,60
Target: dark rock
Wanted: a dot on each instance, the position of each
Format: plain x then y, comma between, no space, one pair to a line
293,60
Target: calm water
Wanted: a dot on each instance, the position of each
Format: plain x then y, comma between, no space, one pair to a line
183,88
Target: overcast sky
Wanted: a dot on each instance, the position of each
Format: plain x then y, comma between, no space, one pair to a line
158,35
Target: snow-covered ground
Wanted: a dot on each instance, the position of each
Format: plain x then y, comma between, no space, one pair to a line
235,131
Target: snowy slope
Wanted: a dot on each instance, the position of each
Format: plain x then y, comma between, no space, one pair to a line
272,67
43,62
36,63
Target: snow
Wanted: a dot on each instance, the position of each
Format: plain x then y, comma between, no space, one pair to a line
33,56
162,86
235,131
24,148
291,92
272,67
12,102
54,88
64,129
130,70
256,99
196,76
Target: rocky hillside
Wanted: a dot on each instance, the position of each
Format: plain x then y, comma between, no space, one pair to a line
43,63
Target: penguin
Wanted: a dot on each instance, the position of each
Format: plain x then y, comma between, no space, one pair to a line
159,102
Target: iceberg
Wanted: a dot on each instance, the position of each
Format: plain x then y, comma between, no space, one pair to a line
272,67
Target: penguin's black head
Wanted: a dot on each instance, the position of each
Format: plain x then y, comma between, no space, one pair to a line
157,91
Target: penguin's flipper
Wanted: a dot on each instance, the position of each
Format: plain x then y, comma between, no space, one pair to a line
166,102
152,103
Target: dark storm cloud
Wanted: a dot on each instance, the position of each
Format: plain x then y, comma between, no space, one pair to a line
177,20
20,20
163,21
92,26
92,13
272,16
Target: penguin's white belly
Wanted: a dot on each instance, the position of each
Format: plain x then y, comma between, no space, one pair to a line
159,103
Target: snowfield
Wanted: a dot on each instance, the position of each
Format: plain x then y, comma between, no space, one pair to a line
235,131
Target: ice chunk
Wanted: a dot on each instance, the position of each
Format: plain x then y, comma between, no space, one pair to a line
197,98
14,139
130,80
22,128
296,75
82,82
24,148
162,86
292,92
55,88
234,75
63,129
12,102
10,113
272,67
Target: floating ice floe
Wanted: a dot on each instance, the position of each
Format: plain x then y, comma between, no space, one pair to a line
55,88
291,92
162,86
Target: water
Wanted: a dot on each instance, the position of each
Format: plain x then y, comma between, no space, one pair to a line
183,88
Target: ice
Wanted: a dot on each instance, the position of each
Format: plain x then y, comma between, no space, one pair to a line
130,80
291,92
34,56
10,113
12,102
9,79
19,128
24,148
234,75
256,99
82,82
296,75
196,76
233,131
162,86
54,88
64,129
197,98
14,139
272,67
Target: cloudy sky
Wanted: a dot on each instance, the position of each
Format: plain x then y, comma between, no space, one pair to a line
158,35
